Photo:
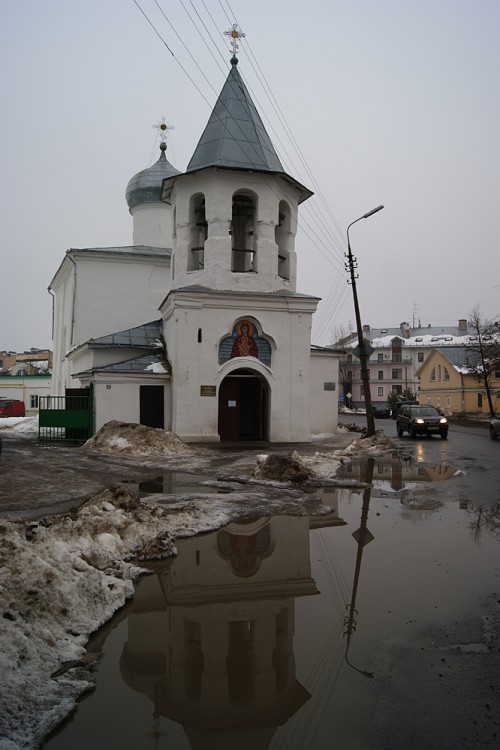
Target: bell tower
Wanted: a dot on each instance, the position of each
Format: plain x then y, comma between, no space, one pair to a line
235,209
238,333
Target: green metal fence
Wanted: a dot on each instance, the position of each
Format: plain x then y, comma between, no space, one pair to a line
66,418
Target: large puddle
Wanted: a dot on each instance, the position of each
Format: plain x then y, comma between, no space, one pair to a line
350,631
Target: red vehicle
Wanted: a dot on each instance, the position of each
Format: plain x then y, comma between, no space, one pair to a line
10,407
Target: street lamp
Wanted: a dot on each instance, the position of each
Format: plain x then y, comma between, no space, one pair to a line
363,355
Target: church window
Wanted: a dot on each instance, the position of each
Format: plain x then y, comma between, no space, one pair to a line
281,236
199,233
433,373
243,258
446,373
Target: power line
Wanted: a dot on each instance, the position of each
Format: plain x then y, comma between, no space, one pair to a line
330,243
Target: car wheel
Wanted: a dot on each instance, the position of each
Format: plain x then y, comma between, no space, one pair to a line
444,434
493,434
400,431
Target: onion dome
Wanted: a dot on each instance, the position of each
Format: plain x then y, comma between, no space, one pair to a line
145,186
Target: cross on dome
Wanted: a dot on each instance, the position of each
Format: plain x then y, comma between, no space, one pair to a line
162,127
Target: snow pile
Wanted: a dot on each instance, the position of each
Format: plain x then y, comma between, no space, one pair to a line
277,466
135,439
61,579
371,446
326,463
20,424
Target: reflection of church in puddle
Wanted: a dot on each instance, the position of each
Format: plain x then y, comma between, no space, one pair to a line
210,640
395,472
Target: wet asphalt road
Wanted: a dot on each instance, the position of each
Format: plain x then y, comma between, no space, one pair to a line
468,449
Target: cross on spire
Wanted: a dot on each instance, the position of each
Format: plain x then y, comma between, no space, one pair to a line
235,33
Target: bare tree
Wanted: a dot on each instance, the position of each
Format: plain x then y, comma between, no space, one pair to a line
347,373
483,353
341,335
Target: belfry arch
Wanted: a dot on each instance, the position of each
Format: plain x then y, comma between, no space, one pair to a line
244,406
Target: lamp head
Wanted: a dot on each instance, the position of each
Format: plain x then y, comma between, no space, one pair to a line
373,211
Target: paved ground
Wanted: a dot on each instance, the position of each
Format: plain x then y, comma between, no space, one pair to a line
38,478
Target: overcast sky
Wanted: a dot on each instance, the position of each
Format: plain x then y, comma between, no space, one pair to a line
394,102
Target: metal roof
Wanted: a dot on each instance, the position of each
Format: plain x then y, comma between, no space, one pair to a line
147,363
146,335
137,250
146,186
235,136
199,289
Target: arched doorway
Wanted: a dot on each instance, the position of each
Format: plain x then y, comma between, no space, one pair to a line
243,407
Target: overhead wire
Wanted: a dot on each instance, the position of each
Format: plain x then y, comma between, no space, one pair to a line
276,107
221,68
314,237
339,291
308,207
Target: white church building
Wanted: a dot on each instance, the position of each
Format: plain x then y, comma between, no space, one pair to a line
197,327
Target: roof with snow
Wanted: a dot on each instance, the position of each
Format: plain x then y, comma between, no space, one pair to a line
429,336
147,363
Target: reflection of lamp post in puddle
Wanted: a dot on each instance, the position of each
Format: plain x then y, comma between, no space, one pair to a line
363,537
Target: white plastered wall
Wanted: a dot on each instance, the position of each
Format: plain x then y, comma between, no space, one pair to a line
117,397
97,294
286,322
218,187
324,374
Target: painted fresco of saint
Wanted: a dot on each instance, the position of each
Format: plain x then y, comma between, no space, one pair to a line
244,344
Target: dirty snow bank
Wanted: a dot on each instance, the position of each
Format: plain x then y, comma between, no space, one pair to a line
326,463
20,424
62,578
134,439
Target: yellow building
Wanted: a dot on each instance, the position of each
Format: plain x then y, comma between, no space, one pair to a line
445,381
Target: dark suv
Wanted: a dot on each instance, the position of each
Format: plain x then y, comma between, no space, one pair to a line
421,420
397,406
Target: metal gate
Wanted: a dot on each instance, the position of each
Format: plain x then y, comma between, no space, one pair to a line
68,418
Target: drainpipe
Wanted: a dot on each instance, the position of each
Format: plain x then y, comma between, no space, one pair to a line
73,304
53,309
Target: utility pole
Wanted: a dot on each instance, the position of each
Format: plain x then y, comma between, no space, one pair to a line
364,356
